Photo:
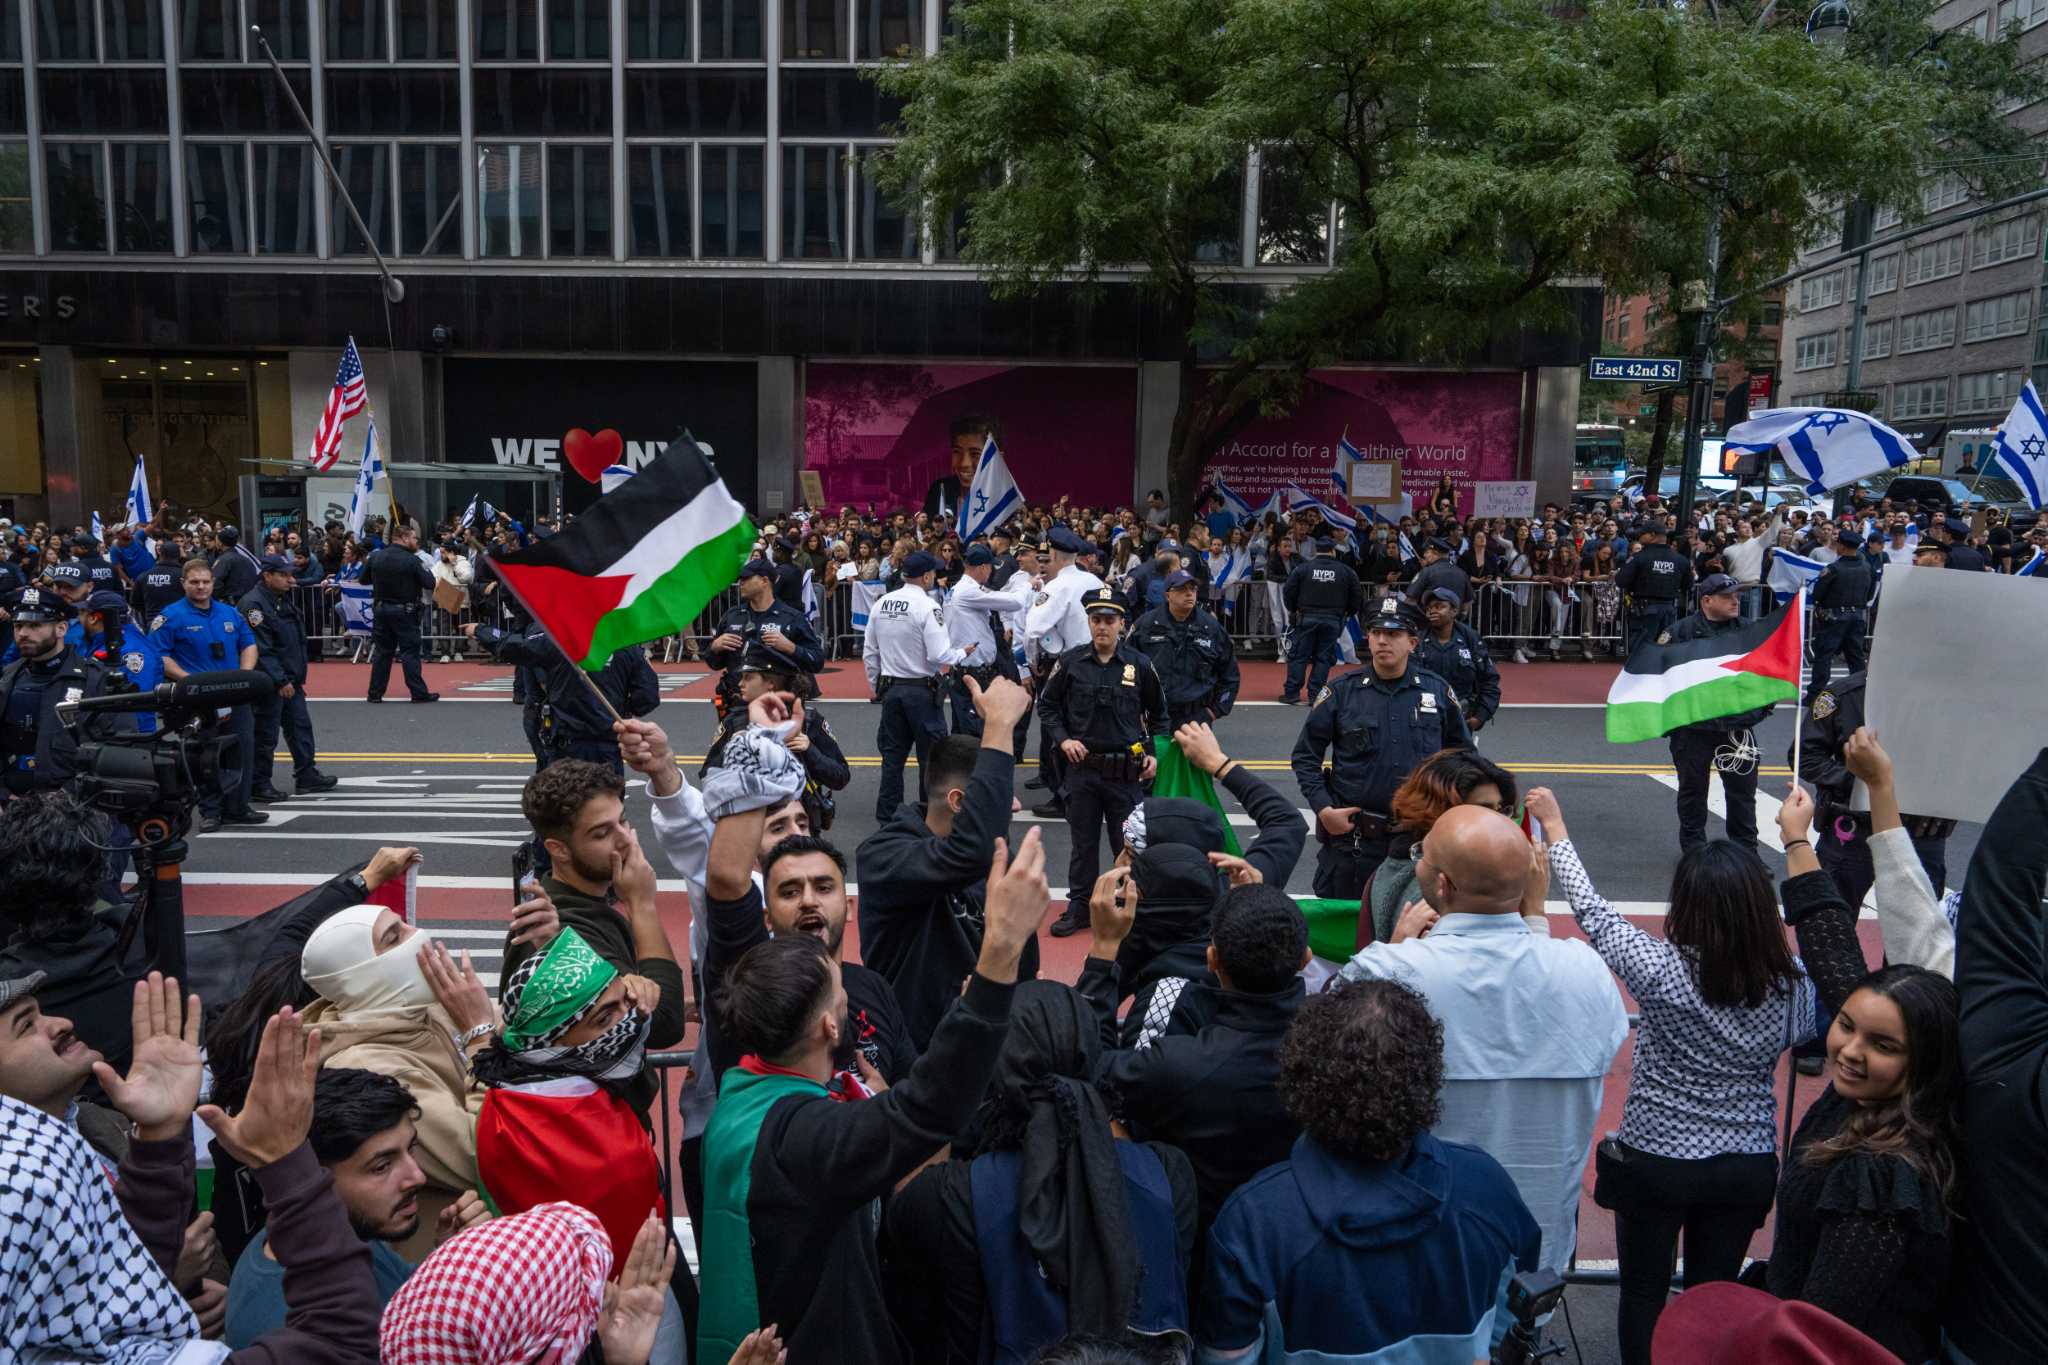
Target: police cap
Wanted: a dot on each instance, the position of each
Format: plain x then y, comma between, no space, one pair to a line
1324,544
36,604
1877,535
918,563
1395,613
763,658
1002,531
1070,542
1449,595
1934,547
67,572
756,568
1179,578
1957,526
1848,538
1105,601
1715,584
107,603
1439,544
276,564
978,555
85,540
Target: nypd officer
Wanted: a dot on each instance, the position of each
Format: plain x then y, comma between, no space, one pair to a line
904,652
160,585
1191,651
396,578
1454,652
759,615
71,582
1321,594
199,634
85,553
1376,724
1657,580
38,752
975,616
763,670
572,721
1104,707
1725,742
1840,597
108,635
1055,624
274,620
235,569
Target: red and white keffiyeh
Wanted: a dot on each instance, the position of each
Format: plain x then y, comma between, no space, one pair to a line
507,1292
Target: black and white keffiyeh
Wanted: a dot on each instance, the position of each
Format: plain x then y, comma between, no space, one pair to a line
755,770
76,1282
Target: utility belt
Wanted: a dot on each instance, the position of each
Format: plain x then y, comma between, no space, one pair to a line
1641,604
380,603
1117,765
1916,826
1841,613
931,684
1367,826
984,674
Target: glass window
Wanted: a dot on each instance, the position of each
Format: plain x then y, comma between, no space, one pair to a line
65,31
696,102
579,30
209,31
1927,331
243,101
1220,220
365,167
284,182
284,23
1884,274
890,29
17,208
426,30
355,30
76,174
2005,316
658,30
825,104
508,200
1935,261
579,201
1816,352
1820,291
2001,242
134,30
658,201
429,194
814,30
1928,398
1294,215
1984,392
214,178
14,101
507,30
543,102
813,203
415,103
732,180
10,31
1945,191
103,101
1877,339
729,31
141,174
883,229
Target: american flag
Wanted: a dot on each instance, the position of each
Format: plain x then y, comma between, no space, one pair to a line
348,397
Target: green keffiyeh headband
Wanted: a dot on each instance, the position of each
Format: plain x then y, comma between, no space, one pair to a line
562,983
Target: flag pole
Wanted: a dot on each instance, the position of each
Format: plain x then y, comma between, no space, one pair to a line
1799,703
574,667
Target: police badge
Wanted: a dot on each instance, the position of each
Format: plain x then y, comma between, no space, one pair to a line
1824,706
132,661
1321,696
156,622
255,618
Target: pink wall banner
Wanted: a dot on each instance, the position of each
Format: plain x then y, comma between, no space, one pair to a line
1465,425
877,433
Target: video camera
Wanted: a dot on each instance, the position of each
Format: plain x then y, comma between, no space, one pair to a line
1532,1295
151,782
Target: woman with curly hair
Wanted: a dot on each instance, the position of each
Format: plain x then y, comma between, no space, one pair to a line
1373,1233
1447,778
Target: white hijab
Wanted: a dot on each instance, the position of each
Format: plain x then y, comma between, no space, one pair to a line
342,963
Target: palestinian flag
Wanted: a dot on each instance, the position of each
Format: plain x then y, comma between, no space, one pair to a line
1664,685
641,563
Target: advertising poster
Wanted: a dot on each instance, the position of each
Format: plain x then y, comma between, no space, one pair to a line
881,433
1465,425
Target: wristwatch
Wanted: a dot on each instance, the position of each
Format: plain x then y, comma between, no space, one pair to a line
354,882
483,1030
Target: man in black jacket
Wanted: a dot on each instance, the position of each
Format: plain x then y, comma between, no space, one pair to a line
573,722
1191,651
39,752
921,914
1840,597
273,612
1726,742
1321,595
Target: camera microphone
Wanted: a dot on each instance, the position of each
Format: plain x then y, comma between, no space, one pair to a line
194,692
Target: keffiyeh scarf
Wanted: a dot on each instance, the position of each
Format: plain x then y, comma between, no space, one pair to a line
755,770
76,1282
549,994
518,1289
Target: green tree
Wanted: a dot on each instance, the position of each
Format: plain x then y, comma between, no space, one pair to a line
1480,153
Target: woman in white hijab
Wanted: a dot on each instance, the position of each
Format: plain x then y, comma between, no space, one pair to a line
393,1001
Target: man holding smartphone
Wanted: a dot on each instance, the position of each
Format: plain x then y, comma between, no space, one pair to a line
198,634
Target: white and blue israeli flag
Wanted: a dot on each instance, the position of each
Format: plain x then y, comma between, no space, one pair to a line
2023,445
1237,568
1791,572
866,592
139,510
1300,500
1233,503
992,498
1827,447
356,615
2032,568
1347,456
367,474
99,532
612,477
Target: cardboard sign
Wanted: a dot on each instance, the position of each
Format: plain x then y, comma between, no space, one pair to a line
1950,758
1375,481
814,489
1504,498
449,598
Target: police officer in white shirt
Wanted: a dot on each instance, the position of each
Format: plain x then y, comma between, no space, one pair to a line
905,649
974,616
1056,623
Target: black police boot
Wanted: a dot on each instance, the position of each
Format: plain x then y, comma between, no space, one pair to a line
1073,921
431,696
209,824
247,817
316,781
1054,809
267,795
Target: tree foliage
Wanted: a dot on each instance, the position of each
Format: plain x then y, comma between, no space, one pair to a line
1479,154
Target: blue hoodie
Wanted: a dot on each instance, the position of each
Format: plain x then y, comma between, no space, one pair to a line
1396,1263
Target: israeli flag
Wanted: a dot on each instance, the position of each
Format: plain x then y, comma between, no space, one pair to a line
2023,445
1232,502
139,510
1390,513
1347,456
613,476
99,532
1350,641
1790,573
1300,500
992,498
356,615
478,509
810,597
2032,568
371,470
1830,446
1237,568
866,592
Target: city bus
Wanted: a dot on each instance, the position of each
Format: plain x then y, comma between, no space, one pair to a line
1599,464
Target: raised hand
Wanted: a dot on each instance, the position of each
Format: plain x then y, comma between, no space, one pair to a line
633,1303
761,1347
1001,704
278,1111
1866,758
1541,804
535,921
1198,745
456,986
163,1077
771,709
1240,872
643,746
1018,900
1113,908
1795,814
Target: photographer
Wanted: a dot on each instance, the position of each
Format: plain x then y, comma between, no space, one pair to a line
39,752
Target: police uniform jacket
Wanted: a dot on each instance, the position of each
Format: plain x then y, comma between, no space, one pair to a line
1445,573
789,586
1844,586
51,757
1196,665
1056,621
1698,627
235,571
1323,587
1376,732
1836,712
136,659
1657,574
778,619
201,641
159,587
824,762
1463,662
1107,706
280,635
99,573
396,577
627,680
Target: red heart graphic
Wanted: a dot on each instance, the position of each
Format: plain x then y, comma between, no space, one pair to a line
589,455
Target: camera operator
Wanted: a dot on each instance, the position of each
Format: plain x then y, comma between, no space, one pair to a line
198,634
38,750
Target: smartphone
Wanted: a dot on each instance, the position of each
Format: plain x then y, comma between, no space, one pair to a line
522,871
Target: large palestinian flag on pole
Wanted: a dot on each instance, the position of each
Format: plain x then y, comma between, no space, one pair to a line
1664,686
641,563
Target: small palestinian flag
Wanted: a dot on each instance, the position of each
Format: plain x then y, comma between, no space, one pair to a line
640,564
1666,685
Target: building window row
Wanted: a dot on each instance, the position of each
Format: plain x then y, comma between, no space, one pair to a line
1927,331
1817,352
1877,339
1934,260
1924,398
1884,274
2005,316
2013,240
1820,291
1989,392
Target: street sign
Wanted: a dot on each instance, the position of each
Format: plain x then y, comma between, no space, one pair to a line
1636,369
1760,388
1646,410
